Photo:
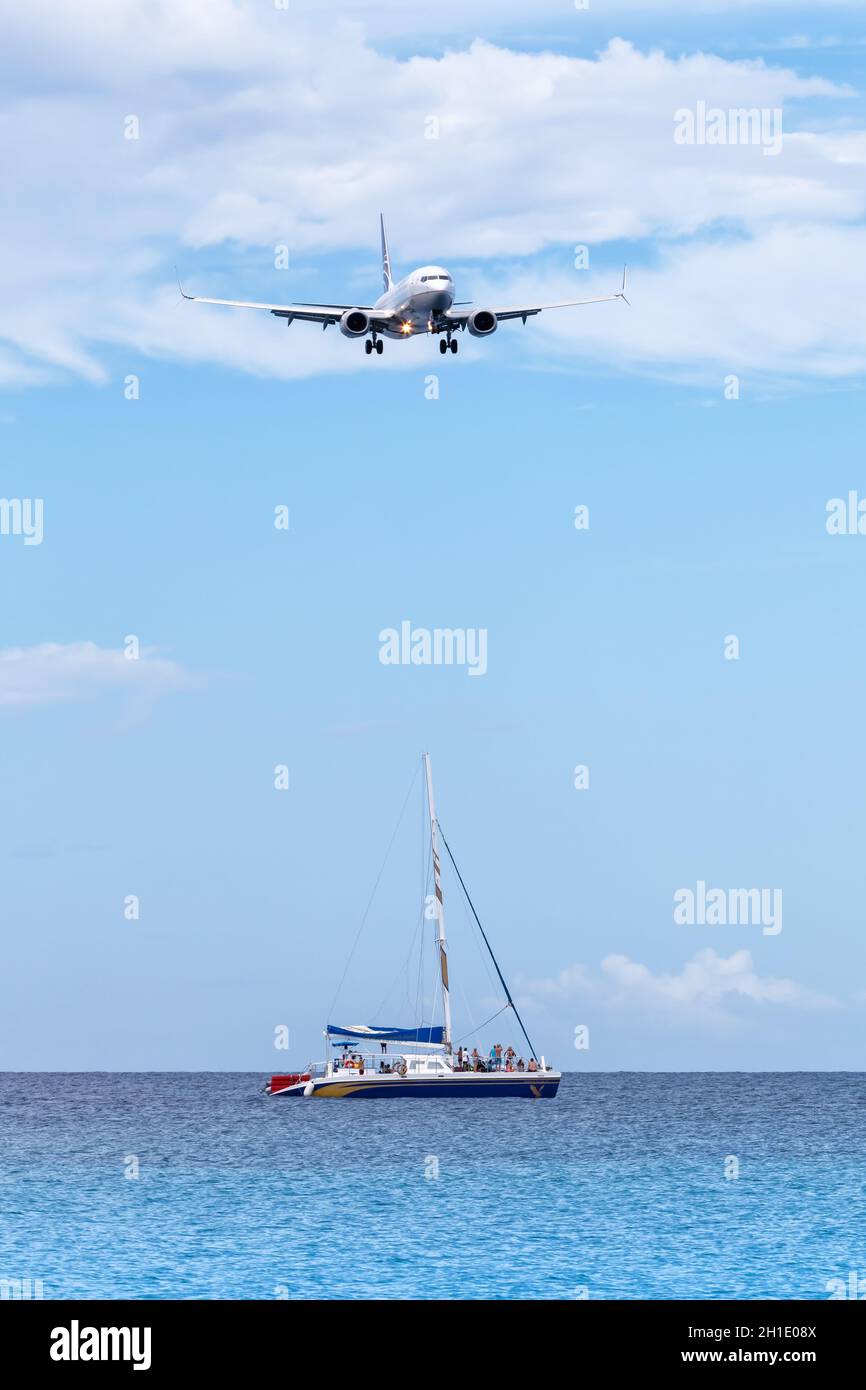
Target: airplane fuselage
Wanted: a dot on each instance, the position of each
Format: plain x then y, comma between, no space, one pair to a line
422,302
418,300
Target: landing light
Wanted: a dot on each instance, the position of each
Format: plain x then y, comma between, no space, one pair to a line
405,328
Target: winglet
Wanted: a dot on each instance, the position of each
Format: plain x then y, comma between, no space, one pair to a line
621,293
181,288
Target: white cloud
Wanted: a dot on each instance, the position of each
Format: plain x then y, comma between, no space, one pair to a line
708,985
251,137
708,979
56,672
778,303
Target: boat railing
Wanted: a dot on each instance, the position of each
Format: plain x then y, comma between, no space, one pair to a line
390,1063
415,1062
402,1064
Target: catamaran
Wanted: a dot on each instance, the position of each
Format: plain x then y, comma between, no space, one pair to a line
422,1061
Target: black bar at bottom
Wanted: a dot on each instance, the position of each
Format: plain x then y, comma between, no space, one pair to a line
167,1338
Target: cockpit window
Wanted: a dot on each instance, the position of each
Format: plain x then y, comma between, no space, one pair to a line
446,279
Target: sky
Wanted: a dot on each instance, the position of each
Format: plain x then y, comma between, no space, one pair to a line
696,645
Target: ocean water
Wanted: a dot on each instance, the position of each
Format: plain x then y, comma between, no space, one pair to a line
616,1189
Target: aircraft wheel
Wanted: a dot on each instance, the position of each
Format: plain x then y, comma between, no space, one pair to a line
443,346
453,344
368,347
380,346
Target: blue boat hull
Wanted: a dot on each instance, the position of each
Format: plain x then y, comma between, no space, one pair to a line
494,1088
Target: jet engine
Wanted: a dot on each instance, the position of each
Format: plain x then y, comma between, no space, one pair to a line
481,322
355,323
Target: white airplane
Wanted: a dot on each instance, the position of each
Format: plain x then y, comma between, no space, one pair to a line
422,302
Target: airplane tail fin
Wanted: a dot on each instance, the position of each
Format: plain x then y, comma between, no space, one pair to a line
386,255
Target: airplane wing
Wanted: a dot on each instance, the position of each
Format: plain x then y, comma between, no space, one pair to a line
526,311
309,313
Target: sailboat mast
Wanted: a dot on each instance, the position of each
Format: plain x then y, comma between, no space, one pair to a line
440,909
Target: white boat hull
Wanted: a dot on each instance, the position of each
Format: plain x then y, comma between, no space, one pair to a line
496,1085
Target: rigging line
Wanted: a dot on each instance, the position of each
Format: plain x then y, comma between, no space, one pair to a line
487,944
373,894
402,975
482,955
467,1007
473,1031
436,989
404,969
417,1009
417,1006
399,976
435,981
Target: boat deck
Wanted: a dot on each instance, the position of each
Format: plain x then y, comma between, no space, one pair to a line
414,1075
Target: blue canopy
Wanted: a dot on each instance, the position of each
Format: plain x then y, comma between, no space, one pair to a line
433,1036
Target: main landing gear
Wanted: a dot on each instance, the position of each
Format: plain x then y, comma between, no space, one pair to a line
445,344
374,343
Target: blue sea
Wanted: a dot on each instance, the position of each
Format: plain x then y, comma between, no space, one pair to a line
616,1189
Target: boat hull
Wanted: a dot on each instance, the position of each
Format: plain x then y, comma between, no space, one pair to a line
465,1085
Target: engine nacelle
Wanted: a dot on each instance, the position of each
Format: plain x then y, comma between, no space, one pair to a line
355,323
482,322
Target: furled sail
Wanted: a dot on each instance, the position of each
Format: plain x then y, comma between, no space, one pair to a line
434,1037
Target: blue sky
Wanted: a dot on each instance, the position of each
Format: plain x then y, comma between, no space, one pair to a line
261,647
